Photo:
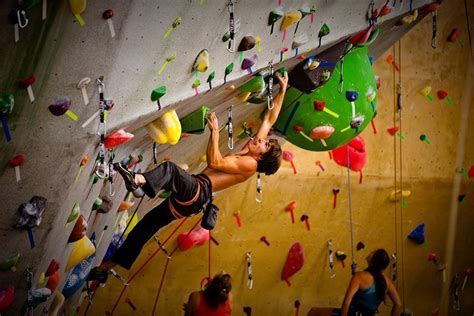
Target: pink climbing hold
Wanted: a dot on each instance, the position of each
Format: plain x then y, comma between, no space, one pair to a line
294,262
196,237
289,156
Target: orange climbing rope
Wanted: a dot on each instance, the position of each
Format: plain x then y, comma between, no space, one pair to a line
166,266
144,264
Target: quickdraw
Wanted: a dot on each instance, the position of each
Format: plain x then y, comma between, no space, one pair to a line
455,292
434,29
249,270
231,45
331,259
399,100
111,172
155,161
259,194
29,296
230,138
102,129
270,87
394,266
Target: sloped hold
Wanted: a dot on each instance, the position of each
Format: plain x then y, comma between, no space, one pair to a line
7,296
56,305
321,132
79,230
290,18
294,261
60,107
256,84
195,122
418,234
201,63
9,263
166,129
117,138
83,249
75,212
357,154
299,41
247,43
249,62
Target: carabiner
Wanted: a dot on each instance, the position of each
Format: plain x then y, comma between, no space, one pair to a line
230,138
258,196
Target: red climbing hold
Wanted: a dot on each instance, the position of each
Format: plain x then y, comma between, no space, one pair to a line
470,173
357,154
196,237
53,267
117,138
6,298
442,94
361,37
294,262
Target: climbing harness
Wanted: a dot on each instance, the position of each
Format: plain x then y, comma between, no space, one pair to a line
332,274
258,196
231,44
434,27
230,138
248,255
270,87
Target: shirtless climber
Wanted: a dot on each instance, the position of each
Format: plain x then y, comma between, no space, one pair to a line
191,193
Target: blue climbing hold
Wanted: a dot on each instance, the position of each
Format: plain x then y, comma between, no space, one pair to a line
418,234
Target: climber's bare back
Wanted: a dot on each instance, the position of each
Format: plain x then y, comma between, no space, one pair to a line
221,180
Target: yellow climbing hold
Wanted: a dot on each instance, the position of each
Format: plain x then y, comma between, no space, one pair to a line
77,7
58,302
398,195
290,18
83,249
166,129
201,63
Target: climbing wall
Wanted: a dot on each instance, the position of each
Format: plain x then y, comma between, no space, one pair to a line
153,48
425,170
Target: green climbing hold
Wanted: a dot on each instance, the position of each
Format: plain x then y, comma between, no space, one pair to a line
157,93
256,84
75,212
164,195
9,263
211,77
256,100
305,11
324,30
196,83
195,122
7,101
229,68
274,16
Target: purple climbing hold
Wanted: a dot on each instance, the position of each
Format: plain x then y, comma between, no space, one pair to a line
249,62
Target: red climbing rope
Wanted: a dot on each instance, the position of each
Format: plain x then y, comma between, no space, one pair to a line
144,264
166,266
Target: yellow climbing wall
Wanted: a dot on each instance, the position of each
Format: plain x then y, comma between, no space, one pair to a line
426,170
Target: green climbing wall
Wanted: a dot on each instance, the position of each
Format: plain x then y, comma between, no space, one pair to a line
299,109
